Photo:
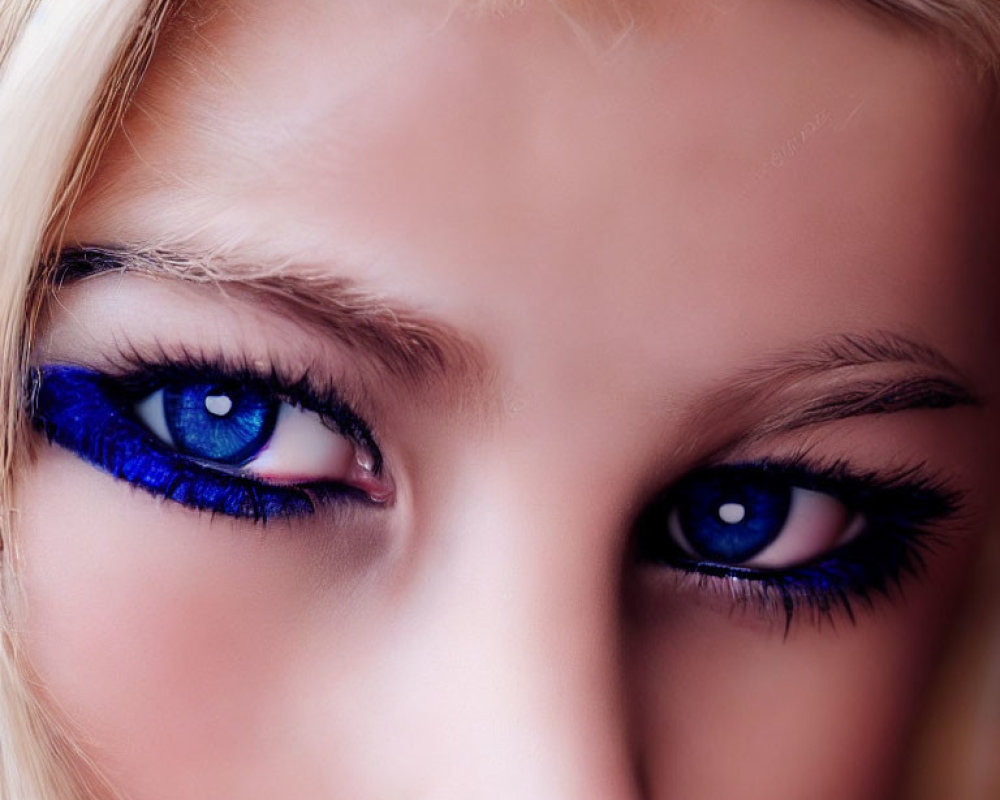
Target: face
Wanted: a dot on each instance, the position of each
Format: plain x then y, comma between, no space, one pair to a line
501,406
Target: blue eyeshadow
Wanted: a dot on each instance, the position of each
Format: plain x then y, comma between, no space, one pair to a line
87,413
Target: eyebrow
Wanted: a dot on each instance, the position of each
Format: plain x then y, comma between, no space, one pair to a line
415,348
925,380
405,343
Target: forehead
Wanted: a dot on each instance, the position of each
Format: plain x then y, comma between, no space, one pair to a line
720,157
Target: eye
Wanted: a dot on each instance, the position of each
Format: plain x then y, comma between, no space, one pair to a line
214,438
753,518
245,426
790,536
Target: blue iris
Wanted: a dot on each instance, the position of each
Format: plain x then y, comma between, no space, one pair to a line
729,516
227,424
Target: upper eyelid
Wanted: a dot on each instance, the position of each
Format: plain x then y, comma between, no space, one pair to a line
928,494
411,346
139,365
99,316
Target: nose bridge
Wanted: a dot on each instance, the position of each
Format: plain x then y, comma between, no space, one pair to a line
519,647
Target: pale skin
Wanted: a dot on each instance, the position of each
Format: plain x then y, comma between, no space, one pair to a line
613,232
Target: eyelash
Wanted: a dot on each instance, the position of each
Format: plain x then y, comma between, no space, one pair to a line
91,414
901,508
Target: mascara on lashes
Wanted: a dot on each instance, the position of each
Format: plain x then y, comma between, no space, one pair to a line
899,508
91,414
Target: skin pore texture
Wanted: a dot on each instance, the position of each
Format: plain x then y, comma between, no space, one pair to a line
627,244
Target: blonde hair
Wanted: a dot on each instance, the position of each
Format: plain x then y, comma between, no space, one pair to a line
68,69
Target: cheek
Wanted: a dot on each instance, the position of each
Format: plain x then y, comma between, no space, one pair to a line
168,638
823,713
133,620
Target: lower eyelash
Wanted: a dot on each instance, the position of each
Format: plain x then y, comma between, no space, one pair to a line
898,506
74,408
856,575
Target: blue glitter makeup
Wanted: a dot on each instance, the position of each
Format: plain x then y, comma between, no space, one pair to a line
216,420
897,510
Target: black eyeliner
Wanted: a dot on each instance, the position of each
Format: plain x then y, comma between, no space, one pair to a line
901,507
